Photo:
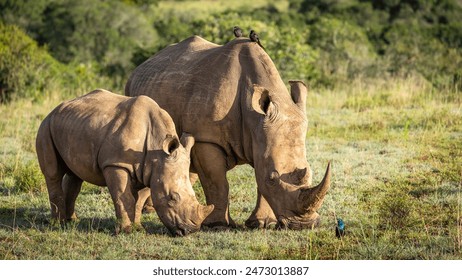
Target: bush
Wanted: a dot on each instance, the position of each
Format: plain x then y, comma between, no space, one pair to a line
25,69
28,178
284,43
414,49
407,38
345,50
105,32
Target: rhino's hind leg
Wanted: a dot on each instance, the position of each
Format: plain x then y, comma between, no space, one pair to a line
120,187
71,187
210,163
262,216
53,168
56,196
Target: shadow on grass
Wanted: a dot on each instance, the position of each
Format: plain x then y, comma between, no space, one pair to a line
38,218
24,218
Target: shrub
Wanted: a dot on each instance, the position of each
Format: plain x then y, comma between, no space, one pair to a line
284,43
28,178
25,68
105,32
345,51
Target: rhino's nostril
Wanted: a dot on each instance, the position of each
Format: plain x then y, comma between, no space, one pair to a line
180,231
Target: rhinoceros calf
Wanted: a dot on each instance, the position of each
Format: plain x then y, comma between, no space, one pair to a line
123,143
234,102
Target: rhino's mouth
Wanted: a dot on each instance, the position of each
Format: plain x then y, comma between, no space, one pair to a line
299,222
182,230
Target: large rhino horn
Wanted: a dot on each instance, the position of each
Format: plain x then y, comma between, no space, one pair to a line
310,199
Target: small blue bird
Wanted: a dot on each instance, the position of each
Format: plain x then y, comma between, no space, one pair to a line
340,228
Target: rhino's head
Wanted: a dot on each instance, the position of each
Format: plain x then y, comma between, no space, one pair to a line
172,194
284,177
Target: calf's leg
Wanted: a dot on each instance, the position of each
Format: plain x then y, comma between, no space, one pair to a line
120,187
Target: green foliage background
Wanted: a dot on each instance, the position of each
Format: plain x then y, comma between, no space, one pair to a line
326,42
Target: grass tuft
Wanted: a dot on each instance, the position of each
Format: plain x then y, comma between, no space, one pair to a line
28,178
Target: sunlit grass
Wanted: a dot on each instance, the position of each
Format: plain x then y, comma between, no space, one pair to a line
397,166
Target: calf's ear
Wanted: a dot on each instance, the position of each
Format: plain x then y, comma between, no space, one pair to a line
170,144
187,140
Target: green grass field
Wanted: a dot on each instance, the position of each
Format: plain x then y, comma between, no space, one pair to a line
396,150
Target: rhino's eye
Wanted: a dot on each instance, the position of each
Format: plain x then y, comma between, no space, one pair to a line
173,199
272,115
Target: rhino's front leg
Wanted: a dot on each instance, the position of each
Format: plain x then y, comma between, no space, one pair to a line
209,162
262,216
120,186
142,201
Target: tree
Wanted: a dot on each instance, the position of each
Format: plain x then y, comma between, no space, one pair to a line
26,14
25,68
107,32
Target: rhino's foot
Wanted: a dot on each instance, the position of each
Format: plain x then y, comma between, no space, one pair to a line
219,225
137,227
123,229
72,218
260,223
126,229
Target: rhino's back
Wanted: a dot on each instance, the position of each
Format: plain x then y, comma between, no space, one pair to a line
95,130
200,85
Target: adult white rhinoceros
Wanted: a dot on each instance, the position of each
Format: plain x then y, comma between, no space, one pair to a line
232,99
123,143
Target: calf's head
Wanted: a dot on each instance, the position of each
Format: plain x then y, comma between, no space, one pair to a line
278,128
172,194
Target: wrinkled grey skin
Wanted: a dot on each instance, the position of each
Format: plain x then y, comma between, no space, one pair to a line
123,143
232,99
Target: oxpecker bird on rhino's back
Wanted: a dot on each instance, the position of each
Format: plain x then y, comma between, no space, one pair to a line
237,31
255,38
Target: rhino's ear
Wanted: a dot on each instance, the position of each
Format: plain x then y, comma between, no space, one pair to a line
170,144
298,91
260,99
187,140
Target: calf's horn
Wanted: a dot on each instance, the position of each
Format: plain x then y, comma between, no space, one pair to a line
204,211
